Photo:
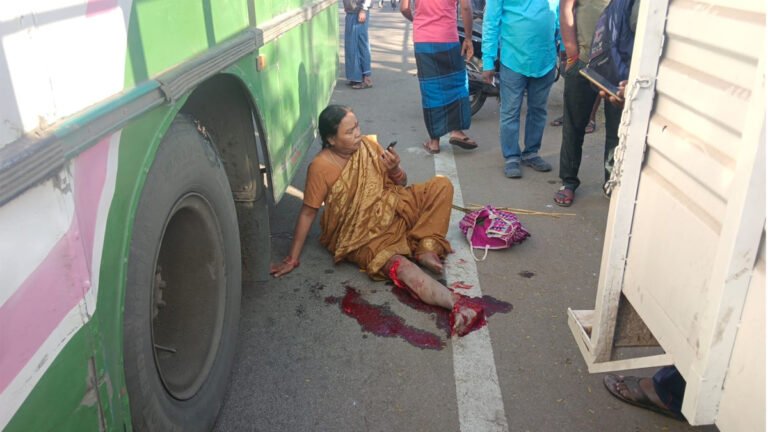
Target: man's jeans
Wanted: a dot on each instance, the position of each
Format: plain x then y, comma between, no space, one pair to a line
578,98
513,87
670,387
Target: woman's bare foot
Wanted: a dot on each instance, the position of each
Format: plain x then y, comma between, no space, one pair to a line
465,316
430,261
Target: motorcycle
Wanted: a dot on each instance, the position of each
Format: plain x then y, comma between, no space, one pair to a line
479,90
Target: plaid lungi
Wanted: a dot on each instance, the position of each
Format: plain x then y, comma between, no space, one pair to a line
444,87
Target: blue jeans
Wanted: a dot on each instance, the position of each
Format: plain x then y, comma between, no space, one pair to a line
357,50
670,386
513,87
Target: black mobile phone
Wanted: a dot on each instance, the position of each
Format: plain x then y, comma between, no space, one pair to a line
392,144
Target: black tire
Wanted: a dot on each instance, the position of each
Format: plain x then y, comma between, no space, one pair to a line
477,97
182,299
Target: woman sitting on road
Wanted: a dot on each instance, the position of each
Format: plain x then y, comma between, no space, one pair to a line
373,219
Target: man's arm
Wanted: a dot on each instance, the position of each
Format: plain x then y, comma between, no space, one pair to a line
568,32
467,50
491,27
362,14
405,9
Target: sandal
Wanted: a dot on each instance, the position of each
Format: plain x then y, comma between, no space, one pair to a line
637,395
591,127
564,196
429,149
362,85
557,122
466,143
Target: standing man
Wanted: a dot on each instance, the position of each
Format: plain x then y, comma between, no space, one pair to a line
442,73
577,26
357,49
526,32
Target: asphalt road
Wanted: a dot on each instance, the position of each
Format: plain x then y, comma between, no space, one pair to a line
303,365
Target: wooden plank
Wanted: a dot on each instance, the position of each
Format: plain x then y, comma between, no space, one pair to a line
688,52
717,138
702,92
580,334
688,191
735,258
736,31
629,364
632,131
689,158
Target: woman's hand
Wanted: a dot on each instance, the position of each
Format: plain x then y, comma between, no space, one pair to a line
284,267
391,160
361,16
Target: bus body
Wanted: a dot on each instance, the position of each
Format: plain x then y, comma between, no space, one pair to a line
141,143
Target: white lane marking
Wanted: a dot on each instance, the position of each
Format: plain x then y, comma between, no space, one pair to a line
478,394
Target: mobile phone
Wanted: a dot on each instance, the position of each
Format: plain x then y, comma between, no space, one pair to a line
392,144
600,82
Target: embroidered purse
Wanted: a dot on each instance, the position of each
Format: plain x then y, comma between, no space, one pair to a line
492,228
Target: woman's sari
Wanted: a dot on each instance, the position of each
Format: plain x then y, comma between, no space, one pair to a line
368,218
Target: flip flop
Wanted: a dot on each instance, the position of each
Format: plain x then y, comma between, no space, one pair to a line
637,397
429,150
557,122
591,127
564,196
466,143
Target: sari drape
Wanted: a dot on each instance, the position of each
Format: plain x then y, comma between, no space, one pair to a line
368,218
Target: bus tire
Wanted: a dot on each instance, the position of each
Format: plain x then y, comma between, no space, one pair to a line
182,298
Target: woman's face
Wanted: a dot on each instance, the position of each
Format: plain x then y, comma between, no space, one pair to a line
347,139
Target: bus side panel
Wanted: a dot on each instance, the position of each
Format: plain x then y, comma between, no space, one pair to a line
64,398
290,116
138,145
52,248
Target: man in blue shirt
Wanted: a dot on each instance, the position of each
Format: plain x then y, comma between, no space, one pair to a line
525,29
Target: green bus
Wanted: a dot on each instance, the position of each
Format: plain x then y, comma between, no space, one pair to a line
141,145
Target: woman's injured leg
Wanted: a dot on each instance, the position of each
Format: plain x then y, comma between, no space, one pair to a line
406,274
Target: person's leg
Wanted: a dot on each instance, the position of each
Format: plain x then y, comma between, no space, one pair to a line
512,88
612,120
364,49
592,125
429,207
662,394
536,117
578,98
669,386
406,274
351,56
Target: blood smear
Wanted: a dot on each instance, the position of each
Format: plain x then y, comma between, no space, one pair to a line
459,285
381,321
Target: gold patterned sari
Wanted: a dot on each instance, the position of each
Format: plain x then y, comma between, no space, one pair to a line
368,218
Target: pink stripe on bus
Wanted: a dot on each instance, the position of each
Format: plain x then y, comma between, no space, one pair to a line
60,282
31,314
90,172
96,7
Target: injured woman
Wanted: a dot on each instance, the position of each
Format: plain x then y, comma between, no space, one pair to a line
372,218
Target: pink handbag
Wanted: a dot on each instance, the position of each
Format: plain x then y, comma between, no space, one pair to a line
491,228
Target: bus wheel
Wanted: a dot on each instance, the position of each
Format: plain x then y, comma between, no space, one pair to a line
182,299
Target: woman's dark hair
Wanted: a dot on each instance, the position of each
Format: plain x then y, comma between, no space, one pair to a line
328,122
